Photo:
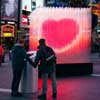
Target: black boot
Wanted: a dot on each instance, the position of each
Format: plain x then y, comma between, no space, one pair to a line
16,94
42,96
54,95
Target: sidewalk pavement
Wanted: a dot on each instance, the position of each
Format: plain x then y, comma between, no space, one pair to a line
69,88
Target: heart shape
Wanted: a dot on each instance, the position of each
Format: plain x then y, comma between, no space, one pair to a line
60,33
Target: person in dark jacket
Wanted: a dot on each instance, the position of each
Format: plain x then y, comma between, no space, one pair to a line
19,58
46,68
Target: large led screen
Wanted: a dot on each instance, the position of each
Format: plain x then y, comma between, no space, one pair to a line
66,30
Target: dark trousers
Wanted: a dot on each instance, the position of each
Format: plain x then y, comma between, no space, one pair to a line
44,84
16,80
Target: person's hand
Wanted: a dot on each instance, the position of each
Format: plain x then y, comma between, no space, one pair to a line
34,65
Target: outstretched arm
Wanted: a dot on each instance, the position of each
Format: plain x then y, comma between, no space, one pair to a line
29,60
37,59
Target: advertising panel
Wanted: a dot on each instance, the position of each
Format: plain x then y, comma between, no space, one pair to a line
7,30
9,10
26,5
24,20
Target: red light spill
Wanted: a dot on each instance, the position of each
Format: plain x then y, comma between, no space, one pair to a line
40,83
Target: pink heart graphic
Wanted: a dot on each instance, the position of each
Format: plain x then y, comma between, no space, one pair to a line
60,33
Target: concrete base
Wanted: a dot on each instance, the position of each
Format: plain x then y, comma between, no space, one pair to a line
73,69
63,70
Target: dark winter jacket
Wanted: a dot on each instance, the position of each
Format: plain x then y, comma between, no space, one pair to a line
41,59
19,57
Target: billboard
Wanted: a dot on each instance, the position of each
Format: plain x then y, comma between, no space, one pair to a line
24,21
26,5
9,10
7,30
66,30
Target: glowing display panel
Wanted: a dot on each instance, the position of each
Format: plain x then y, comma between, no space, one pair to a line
66,30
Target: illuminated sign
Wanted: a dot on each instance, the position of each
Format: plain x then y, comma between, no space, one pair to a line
26,5
39,3
96,9
7,31
9,10
24,20
66,30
